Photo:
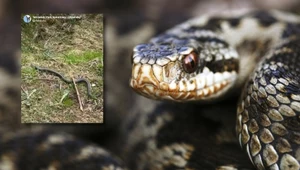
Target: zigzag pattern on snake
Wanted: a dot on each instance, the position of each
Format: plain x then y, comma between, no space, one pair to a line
206,59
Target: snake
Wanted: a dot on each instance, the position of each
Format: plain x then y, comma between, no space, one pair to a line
68,81
209,59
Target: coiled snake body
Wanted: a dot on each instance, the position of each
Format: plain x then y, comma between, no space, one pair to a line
209,58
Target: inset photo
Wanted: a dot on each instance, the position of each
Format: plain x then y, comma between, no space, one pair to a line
62,68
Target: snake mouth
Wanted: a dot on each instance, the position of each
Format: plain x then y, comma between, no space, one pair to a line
151,81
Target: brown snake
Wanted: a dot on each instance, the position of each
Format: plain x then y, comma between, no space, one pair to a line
208,58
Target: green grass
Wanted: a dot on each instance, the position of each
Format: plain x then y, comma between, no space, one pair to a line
73,58
68,102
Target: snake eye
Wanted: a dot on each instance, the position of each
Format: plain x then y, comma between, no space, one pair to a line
190,62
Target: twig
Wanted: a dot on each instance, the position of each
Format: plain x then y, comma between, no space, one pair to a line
25,93
24,90
78,96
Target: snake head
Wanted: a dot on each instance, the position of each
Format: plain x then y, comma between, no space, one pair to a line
183,69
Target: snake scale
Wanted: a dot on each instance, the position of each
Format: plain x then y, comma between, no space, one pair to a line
207,61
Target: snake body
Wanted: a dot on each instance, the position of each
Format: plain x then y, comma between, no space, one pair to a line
211,58
69,81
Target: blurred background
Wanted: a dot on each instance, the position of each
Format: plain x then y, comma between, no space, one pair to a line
126,24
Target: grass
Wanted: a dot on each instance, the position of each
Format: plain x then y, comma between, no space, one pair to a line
73,58
73,48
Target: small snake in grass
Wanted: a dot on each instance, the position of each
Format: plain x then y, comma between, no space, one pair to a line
68,81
